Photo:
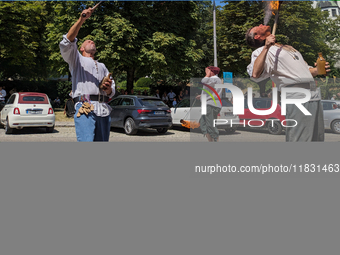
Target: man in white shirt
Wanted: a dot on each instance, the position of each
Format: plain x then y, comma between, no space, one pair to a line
87,74
286,67
213,109
171,96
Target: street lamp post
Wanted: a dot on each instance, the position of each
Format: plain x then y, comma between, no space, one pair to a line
214,24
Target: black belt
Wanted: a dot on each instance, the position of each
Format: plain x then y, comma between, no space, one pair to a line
100,98
305,85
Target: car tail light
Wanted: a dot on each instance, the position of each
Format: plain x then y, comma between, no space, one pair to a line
50,111
169,111
16,111
143,111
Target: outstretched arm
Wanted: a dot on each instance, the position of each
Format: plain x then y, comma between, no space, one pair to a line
259,62
74,30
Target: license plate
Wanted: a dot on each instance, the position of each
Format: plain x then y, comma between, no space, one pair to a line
33,112
159,112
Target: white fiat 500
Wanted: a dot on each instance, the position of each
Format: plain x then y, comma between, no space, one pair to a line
28,109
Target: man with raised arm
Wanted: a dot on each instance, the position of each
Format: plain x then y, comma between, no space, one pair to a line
286,67
92,118
213,104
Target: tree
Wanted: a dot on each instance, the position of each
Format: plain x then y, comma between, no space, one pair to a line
232,21
299,25
140,38
23,49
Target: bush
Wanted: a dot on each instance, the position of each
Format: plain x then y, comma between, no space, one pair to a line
143,82
64,88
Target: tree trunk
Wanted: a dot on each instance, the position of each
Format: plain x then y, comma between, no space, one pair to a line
130,79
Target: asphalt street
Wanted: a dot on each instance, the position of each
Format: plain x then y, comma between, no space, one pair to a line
65,132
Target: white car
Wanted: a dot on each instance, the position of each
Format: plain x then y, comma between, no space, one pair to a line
331,115
28,109
183,111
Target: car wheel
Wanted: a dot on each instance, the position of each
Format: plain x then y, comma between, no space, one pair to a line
8,130
49,129
230,130
274,127
162,130
336,126
130,127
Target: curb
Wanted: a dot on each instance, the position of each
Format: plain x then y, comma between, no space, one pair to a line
63,124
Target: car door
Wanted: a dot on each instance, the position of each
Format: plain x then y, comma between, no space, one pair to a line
115,111
180,111
328,112
125,107
8,107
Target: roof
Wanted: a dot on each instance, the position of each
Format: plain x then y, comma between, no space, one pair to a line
139,96
326,4
31,93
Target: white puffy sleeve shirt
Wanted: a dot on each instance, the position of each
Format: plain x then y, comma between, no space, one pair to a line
291,69
86,75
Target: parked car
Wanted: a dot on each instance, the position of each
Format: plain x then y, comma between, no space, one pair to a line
27,109
138,112
193,113
263,103
331,115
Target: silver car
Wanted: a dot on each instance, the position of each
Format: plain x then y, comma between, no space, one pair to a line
331,115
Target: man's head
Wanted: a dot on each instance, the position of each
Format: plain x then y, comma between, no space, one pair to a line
256,36
88,48
338,94
215,70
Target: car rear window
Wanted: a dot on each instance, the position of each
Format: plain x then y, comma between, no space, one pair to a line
30,99
258,103
226,103
329,105
151,102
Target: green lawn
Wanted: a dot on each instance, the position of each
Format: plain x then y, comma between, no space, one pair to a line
60,116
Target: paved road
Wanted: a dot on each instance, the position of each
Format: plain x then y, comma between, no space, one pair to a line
64,132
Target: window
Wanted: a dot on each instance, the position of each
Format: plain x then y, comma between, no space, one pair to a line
152,102
258,104
226,103
115,102
333,12
327,105
33,98
327,12
184,103
127,101
11,99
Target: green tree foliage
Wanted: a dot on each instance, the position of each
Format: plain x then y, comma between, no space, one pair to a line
299,25
143,82
139,38
23,49
204,37
233,20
